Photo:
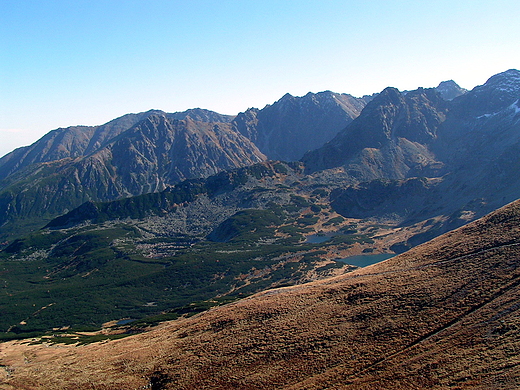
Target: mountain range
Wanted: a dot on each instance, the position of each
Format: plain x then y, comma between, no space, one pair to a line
154,150
142,153
156,216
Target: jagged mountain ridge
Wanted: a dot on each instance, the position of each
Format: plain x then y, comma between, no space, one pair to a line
435,126
78,141
443,315
291,126
71,142
469,145
388,140
84,163
397,136
154,153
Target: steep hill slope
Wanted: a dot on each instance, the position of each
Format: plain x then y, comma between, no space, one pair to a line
443,315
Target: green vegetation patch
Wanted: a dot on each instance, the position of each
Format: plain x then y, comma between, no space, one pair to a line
247,225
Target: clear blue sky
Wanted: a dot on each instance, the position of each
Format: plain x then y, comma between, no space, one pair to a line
76,62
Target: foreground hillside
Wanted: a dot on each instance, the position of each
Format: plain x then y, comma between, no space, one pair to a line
443,315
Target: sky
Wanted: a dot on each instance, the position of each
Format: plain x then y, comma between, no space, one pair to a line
77,62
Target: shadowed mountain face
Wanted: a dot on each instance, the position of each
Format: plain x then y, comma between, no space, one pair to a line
443,315
401,135
54,176
467,148
292,126
388,140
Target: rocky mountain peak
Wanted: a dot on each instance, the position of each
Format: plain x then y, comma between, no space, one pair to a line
285,98
508,81
291,126
202,115
389,95
449,90
498,93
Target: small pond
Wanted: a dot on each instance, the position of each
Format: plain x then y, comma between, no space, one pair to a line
317,238
366,260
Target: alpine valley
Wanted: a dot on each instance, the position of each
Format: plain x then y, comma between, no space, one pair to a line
139,228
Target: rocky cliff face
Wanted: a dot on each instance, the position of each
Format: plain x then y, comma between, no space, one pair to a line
292,126
468,148
388,140
79,141
160,152
151,155
480,141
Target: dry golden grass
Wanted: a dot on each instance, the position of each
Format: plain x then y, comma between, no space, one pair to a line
444,315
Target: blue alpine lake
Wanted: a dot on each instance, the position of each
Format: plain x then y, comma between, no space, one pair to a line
318,238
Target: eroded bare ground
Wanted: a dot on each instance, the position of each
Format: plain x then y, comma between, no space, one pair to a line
443,315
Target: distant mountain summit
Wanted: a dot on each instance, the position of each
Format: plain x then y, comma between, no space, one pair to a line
500,91
388,139
292,126
201,115
70,142
449,90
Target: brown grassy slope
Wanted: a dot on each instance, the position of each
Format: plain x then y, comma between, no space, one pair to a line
443,315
